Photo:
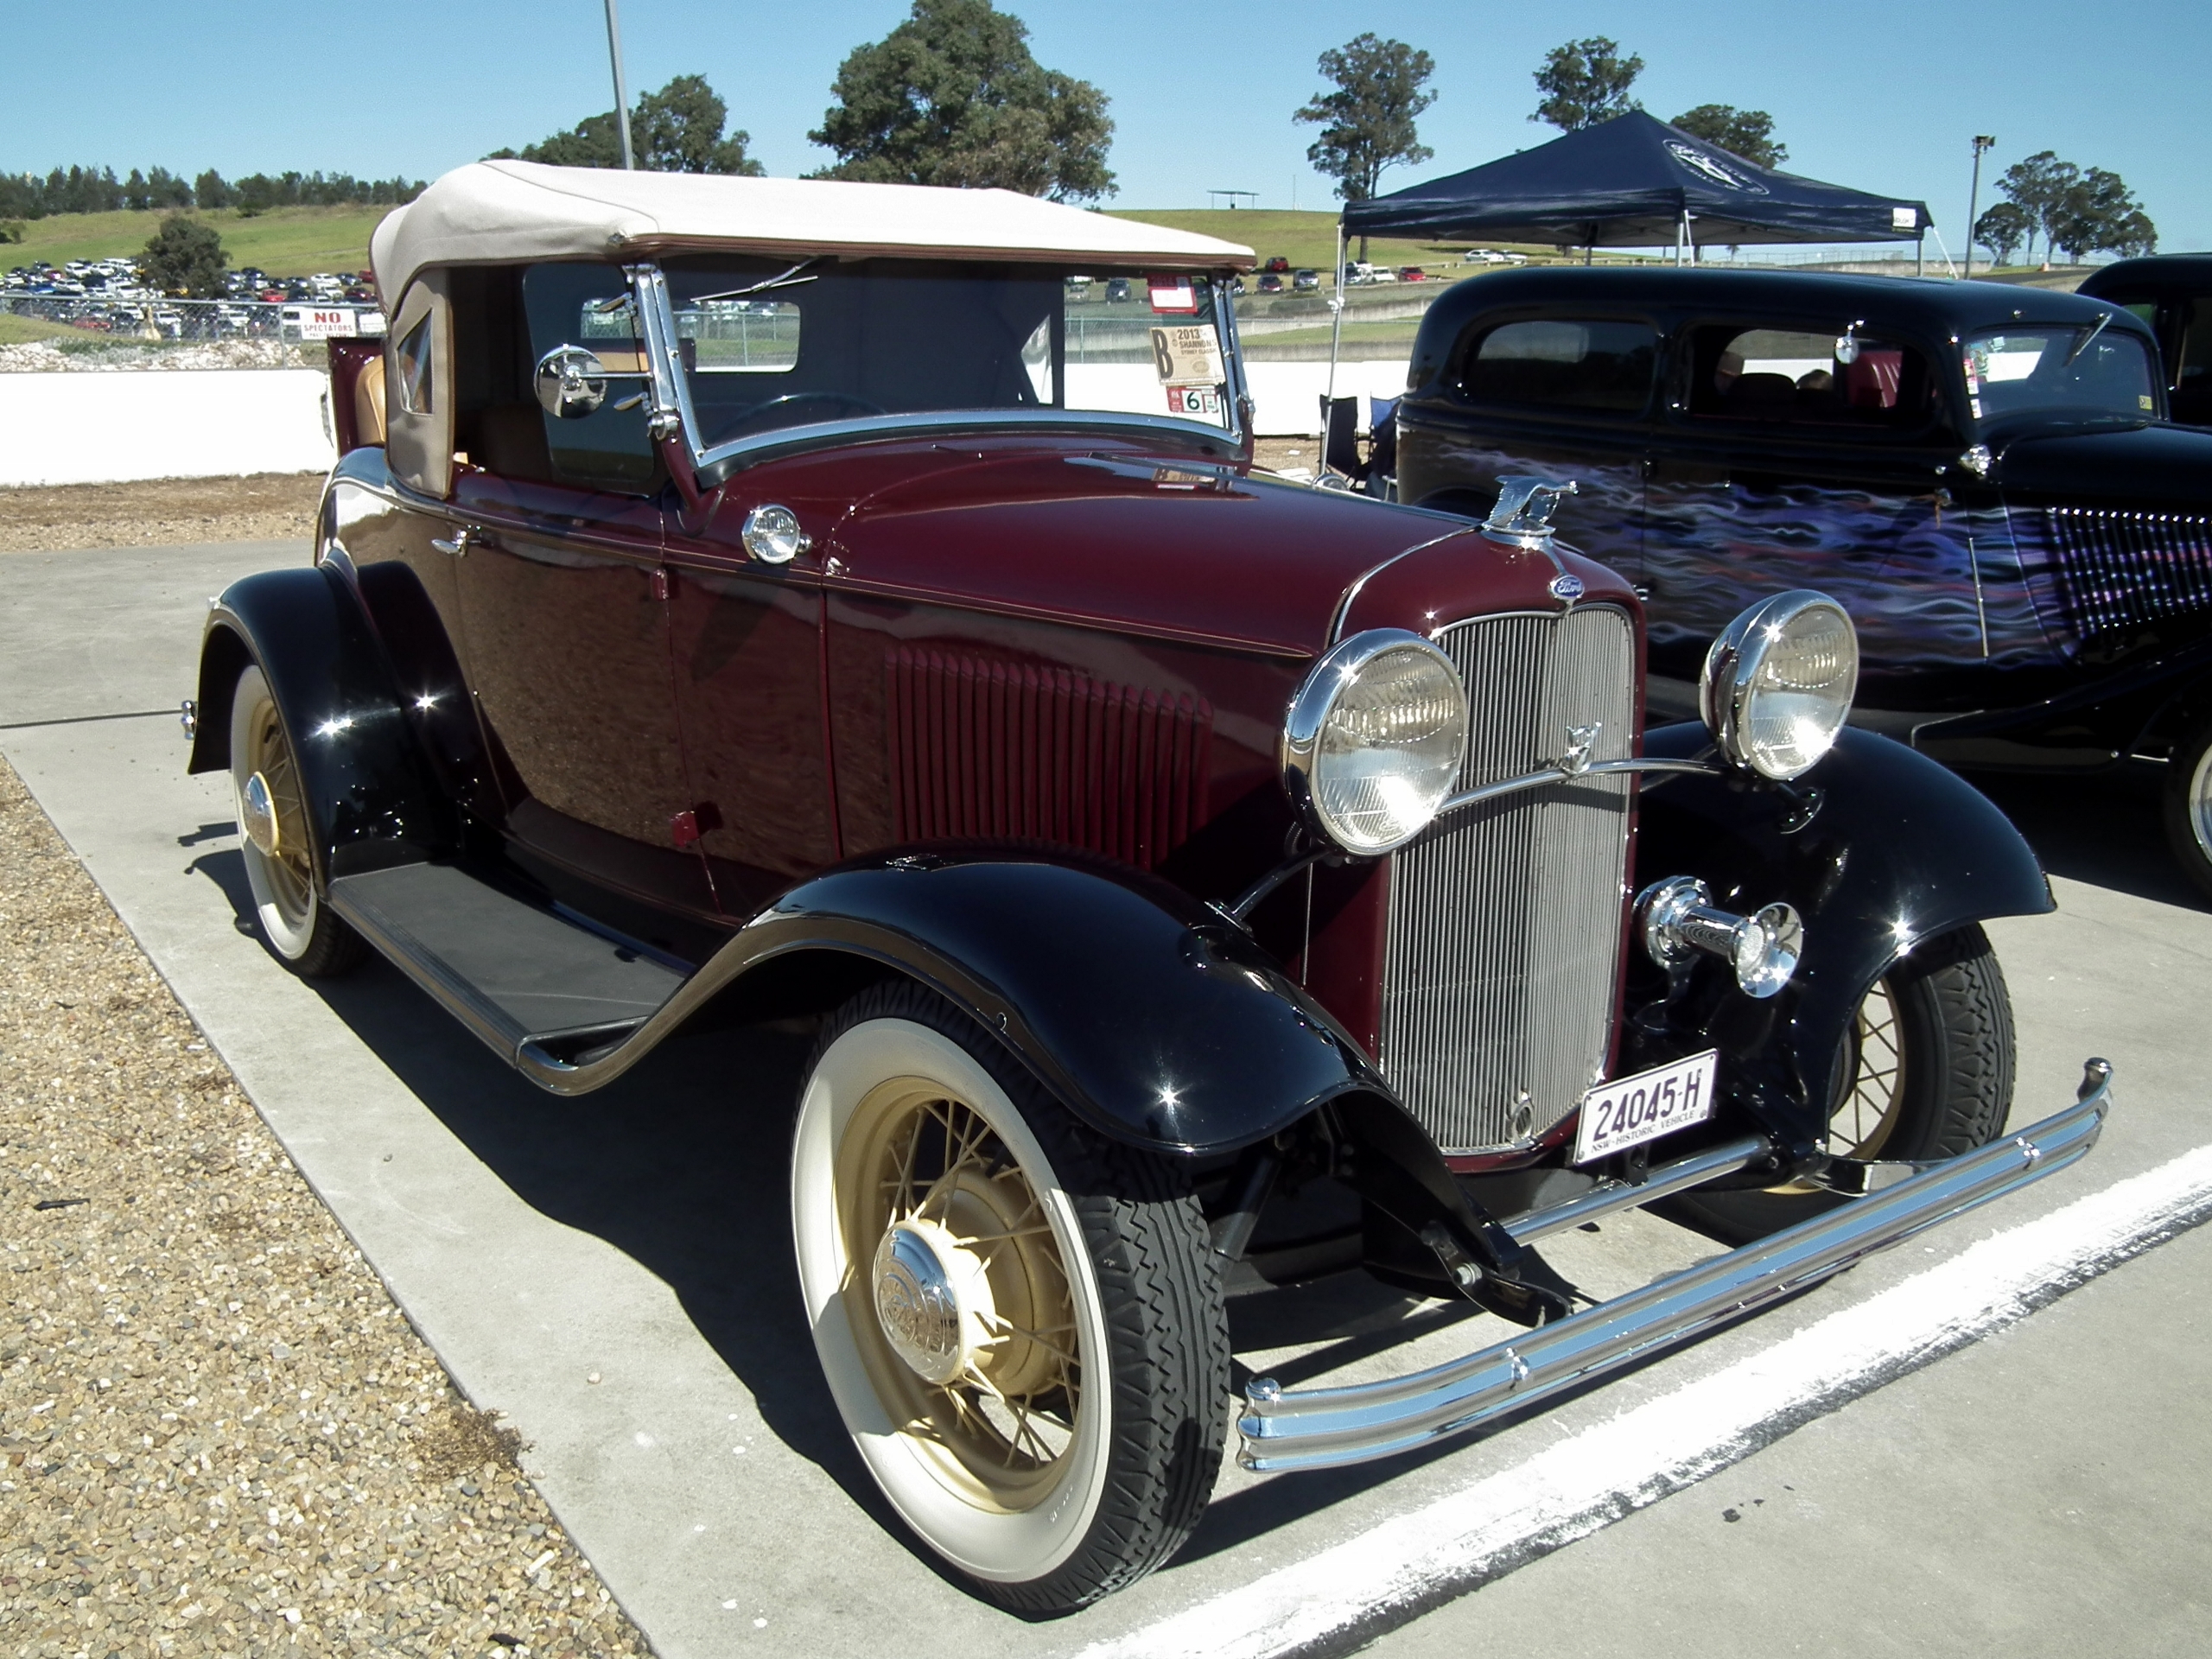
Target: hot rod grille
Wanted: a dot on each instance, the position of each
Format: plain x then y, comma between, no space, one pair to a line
1505,921
2119,570
1009,751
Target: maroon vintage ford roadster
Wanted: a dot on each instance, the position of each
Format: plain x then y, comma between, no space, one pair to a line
765,598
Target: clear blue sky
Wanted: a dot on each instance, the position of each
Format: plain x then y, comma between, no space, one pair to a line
1882,94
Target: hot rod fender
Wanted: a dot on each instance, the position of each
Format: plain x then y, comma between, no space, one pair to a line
366,791
1878,847
1153,1020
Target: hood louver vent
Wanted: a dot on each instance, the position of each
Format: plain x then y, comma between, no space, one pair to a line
984,750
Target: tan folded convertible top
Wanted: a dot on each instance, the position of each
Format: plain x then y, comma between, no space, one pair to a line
502,213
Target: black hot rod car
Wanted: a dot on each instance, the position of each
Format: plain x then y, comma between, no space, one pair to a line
1981,474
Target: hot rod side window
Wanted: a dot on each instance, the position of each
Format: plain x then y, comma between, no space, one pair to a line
1794,377
1593,365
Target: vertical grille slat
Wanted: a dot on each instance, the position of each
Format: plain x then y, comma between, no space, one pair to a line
1505,921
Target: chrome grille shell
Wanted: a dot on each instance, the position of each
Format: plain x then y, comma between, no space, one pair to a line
1502,950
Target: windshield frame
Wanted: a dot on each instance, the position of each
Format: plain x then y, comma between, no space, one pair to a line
2114,326
674,413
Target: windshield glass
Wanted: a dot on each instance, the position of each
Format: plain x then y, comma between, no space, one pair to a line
2060,370
771,343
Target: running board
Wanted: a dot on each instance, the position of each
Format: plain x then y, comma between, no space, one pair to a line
1320,1428
526,980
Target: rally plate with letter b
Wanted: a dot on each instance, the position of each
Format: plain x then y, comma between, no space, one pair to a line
1628,1111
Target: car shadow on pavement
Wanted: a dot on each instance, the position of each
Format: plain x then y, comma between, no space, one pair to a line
2106,830
681,1164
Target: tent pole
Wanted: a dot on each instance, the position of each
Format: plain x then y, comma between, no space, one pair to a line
1590,247
1690,238
1336,335
1920,254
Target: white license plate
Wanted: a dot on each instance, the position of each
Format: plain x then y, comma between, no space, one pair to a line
1628,1111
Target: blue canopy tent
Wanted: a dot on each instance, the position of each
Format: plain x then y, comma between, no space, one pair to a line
1631,181
1634,181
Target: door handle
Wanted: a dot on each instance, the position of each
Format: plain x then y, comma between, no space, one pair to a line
467,536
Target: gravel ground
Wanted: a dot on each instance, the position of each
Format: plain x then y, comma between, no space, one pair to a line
266,507
217,1434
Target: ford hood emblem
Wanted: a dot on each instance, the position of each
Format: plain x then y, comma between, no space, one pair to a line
1566,588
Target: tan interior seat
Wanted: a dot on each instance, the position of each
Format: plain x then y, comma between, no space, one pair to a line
368,403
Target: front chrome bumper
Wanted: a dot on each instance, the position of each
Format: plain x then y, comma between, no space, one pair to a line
1318,1428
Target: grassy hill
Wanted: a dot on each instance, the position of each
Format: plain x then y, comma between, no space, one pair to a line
301,241
1304,239
284,241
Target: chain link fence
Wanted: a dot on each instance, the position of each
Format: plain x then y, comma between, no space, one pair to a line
66,319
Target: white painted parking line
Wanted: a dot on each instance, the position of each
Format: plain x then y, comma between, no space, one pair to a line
1334,1600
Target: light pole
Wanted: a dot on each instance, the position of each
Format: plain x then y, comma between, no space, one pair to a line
1974,193
622,91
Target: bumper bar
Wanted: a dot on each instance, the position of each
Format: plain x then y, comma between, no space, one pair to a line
1320,1428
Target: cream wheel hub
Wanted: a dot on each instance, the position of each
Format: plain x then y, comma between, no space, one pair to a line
257,815
933,1300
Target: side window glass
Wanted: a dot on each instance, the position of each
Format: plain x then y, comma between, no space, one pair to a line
1594,366
1790,376
734,336
589,306
417,392
2192,377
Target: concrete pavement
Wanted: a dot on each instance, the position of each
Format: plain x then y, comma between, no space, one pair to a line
640,1234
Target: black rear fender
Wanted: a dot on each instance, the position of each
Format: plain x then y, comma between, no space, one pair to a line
367,793
1896,852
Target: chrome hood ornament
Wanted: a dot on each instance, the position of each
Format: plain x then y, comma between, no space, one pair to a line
1522,517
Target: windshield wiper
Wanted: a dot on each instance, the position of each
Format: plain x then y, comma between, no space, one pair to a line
2086,339
788,279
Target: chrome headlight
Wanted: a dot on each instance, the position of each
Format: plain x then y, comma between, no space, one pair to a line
1777,682
1375,739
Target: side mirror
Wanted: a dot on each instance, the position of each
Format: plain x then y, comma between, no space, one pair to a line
571,383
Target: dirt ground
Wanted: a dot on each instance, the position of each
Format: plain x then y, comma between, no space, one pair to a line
269,506
218,1436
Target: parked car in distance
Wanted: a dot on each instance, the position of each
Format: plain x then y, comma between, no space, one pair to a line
1194,882
2172,294
1412,273
1117,290
1276,265
1270,283
1304,281
1979,473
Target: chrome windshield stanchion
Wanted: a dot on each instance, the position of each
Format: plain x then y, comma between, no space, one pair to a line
1317,1428
664,361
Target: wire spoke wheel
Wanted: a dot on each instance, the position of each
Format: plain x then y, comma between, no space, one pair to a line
931,1170
2189,806
1924,1070
1872,1094
1021,1323
277,838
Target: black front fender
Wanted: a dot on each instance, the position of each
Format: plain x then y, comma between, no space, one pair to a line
367,794
1154,1021
1895,851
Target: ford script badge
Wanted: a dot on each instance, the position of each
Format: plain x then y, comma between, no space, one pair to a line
1566,588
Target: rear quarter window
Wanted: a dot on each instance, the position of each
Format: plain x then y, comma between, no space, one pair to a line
1590,366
